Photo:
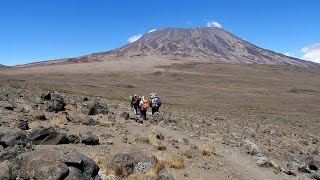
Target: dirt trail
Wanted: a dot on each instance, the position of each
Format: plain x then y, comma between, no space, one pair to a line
228,163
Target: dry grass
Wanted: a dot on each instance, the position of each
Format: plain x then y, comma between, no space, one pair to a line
75,113
176,163
99,160
119,170
158,167
156,170
208,151
161,146
107,169
137,176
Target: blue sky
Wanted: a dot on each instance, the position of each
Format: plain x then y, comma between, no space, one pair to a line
36,30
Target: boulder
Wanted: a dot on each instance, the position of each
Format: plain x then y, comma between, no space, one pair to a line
88,168
126,160
46,96
7,105
71,139
47,136
316,176
5,170
251,148
41,117
264,162
304,168
146,164
165,175
89,138
10,153
48,164
94,107
13,138
23,125
89,121
125,115
56,103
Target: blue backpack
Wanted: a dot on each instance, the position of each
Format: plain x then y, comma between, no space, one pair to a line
158,101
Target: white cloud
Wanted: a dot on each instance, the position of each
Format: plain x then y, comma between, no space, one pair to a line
311,53
213,24
134,38
152,30
289,54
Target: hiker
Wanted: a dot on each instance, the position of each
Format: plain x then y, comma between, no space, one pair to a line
144,108
154,102
140,104
135,104
131,102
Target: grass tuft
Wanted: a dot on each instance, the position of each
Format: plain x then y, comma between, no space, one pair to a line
207,152
176,163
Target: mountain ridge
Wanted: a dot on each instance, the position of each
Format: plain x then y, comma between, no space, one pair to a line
205,44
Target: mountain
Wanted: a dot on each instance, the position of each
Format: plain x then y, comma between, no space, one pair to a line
213,44
204,44
3,66
82,59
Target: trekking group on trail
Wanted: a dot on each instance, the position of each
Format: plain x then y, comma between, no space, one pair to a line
140,105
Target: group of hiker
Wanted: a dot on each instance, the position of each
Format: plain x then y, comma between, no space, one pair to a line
140,105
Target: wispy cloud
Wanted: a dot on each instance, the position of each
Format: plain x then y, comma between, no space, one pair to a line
152,30
214,24
311,53
134,38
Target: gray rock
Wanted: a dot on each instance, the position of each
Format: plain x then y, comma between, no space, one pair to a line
94,107
40,164
143,167
160,136
46,96
125,115
89,138
41,117
184,141
165,175
14,138
316,176
23,125
89,121
7,105
86,165
75,174
304,169
47,136
127,160
251,148
5,171
264,162
10,153
56,103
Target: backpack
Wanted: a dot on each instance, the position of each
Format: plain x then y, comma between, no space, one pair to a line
156,102
136,99
145,106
